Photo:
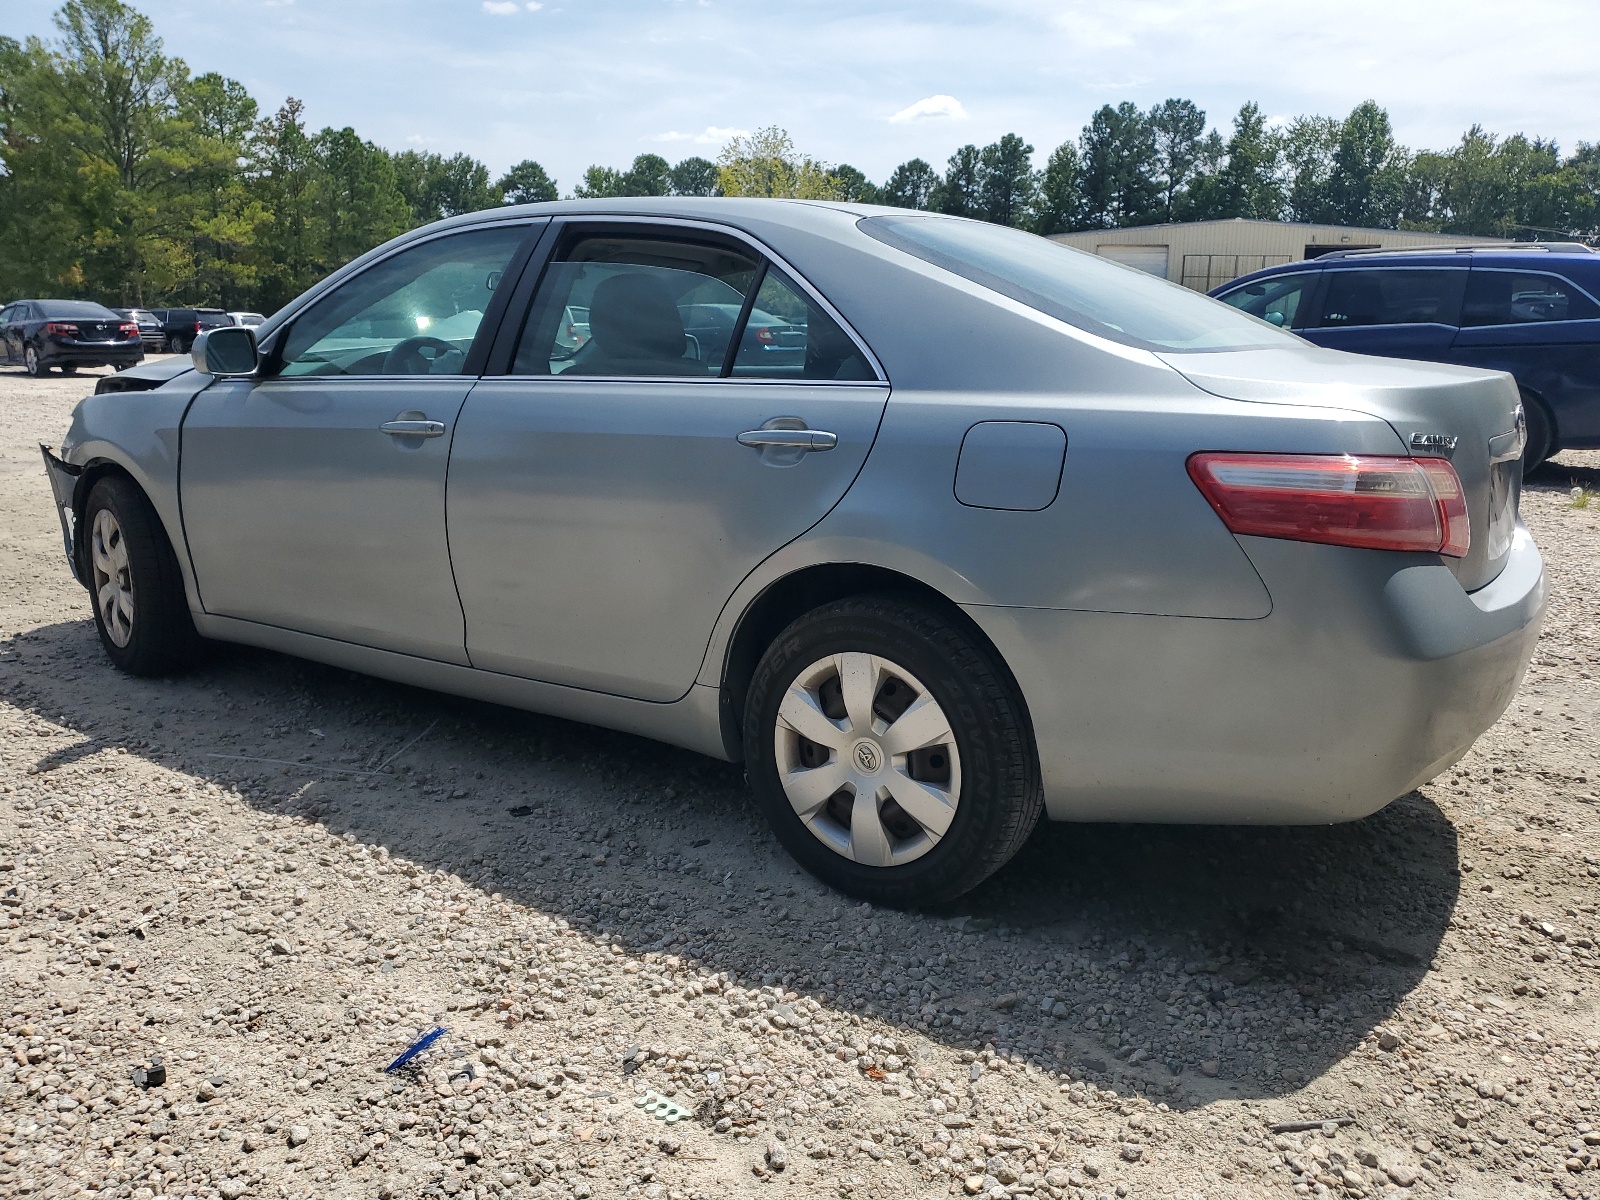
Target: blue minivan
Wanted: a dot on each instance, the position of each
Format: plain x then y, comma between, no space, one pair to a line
1530,310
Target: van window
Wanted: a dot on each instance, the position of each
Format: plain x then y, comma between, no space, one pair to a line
1392,297
1519,298
1276,300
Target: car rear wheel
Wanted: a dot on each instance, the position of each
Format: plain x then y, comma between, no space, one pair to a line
69,368
31,363
134,583
890,751
179,345
1541,433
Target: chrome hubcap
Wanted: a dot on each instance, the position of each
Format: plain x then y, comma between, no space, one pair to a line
867,759
113,584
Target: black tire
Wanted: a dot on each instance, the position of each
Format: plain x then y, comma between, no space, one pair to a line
160,637
179,345
1000,795
1541,434
31,362
69,368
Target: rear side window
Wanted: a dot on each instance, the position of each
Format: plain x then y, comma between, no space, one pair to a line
1391,297
1091,293
789,336
1276,300
1516,298
632,305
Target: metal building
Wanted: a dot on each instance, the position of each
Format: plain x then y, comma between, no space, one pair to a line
1206,254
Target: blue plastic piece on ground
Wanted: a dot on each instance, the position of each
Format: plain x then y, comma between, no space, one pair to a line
416,1048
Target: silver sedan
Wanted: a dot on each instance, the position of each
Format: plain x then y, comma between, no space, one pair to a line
935,525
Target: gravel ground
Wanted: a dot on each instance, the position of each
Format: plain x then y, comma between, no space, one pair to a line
272,876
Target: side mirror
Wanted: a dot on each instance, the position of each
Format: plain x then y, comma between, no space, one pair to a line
1275,318
228,352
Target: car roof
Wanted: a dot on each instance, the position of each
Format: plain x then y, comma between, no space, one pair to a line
1563,258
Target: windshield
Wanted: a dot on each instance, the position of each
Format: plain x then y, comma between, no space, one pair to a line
1084,290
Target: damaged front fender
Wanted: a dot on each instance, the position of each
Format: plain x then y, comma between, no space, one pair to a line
64,485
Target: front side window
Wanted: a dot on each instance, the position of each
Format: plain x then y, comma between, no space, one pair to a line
790,336
1094,294
415,313
636,305
1276,300
1392,297
1517,298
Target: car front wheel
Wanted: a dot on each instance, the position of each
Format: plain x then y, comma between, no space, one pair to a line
890,751
134,583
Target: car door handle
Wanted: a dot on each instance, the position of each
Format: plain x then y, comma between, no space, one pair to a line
421,429
792,439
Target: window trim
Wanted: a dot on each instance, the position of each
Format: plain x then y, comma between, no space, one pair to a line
503,356
1548,274
1328,274
493,316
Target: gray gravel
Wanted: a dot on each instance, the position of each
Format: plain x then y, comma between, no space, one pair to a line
237,874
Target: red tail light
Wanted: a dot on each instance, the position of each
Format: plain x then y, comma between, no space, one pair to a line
128,329
65,328
1339,499
764,334
197,326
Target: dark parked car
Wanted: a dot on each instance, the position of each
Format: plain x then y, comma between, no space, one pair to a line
180,325
150,335
40,334
1530,310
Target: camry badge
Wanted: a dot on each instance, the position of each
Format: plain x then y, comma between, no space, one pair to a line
1433,441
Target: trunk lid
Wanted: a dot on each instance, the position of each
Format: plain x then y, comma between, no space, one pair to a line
1426,404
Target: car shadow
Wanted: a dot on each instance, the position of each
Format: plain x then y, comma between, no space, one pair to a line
1281,948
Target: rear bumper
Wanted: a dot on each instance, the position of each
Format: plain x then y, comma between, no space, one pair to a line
1373,673
90,354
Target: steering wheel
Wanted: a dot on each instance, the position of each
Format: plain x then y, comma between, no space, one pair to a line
407,357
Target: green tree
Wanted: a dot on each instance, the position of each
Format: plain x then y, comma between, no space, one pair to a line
599,183
767,164
527,183
650,175
1309,146
226,218
1366,186
1007,185
357,196
1060,203
694,176
960,192
912,185
435,186
1118,153
850,184
1248,182
1177,129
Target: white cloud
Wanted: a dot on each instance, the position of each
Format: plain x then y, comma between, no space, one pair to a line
500,8
712,135
533,6
930,106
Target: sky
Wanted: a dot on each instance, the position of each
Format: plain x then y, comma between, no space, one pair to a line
873,83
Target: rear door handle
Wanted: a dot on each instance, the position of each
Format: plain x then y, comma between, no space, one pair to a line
420,429
792,439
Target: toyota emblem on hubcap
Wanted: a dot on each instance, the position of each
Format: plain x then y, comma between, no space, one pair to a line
867,757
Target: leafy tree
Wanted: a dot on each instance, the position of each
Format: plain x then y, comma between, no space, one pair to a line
527,183
767,164
960,192
694,176
599,183
1248,181
911,186
1366,184
1007,184
1118,151
1178,129
357,196
285,169
850,184
649,176
435,186
1059,206
1309,146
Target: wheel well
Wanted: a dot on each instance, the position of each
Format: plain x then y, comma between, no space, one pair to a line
1529,394
92,474
799,593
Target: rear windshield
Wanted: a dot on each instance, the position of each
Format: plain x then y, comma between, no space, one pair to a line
75,308
1084,290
